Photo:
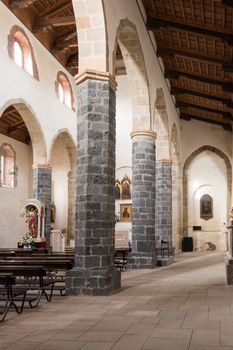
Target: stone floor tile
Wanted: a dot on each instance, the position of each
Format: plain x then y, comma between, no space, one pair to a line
130,342
202,325
97,346
60,345
114,325
141,328
21,346
226,328
166,344
100,336
205,337
227,339
172,333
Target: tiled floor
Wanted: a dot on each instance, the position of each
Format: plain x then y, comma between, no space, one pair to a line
183,306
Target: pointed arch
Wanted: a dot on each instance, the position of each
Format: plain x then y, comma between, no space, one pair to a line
91,33
32,123
128,40
161,127
185,180
66,206
176,188
65,135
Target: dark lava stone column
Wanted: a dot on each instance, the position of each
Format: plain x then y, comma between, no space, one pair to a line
42,182
163,207
94,272
143,201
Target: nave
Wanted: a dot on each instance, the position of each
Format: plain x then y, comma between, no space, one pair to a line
184,306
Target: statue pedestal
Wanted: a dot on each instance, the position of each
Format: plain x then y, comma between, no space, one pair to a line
57,241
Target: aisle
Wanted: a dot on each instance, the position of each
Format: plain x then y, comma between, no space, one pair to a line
185,306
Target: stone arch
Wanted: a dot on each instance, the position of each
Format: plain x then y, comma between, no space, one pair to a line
65,137
185,179
128,40
161,127
91,33
176,187
32,123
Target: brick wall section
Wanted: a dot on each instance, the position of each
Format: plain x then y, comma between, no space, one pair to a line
94,272
42,191
143,203
163,206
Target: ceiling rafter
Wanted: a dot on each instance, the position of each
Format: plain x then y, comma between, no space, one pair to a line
21,3
45,23
156,23
187,116
56,8
178,91
169,51
182,104
175,74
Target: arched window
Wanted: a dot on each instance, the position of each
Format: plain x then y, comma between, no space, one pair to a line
18,54
7,166
21,51
64,90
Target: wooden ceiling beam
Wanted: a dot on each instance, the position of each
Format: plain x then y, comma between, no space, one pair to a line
187,116
72,62
153,23
172,74
14,4
227,3
178,91
56,8
61,45
15,127
171,52
226,115
45,23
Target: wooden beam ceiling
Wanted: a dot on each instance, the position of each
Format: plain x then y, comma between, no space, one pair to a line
157,23
225,101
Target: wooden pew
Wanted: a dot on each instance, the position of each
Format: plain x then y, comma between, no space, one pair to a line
8,294
26,272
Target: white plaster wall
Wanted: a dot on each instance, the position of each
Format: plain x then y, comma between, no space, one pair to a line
60,170
207,175
196,134
124,119
124,122
120,9
51,114
10,203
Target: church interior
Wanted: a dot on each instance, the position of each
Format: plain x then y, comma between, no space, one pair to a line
116,155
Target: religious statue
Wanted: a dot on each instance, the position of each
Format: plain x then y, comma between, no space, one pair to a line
31,220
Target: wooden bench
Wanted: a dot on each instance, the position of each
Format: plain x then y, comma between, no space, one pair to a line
25,273
54,267
9,295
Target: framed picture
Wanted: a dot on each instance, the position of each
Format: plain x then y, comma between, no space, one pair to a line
126,212
206,207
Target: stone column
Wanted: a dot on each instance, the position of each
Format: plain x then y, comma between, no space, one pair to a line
71,206
42,182
143,201
163,203
94,272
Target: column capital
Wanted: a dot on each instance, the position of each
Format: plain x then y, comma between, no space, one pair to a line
41,166
144,134
167,161
95,75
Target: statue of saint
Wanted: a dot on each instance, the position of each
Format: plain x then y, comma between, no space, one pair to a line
31,220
